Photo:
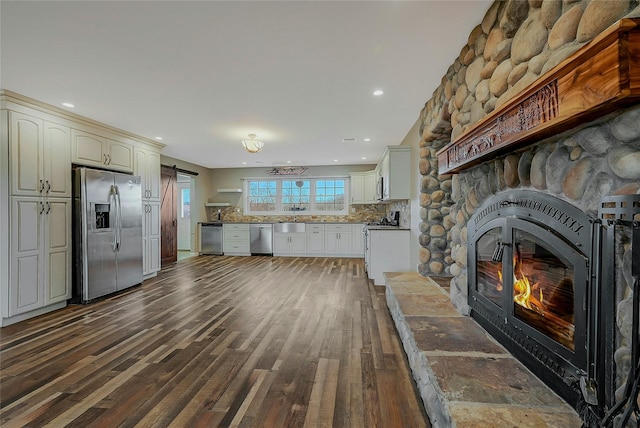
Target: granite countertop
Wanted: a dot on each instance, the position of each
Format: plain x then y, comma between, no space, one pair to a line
386,227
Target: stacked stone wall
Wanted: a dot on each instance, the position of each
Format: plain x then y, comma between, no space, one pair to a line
516,42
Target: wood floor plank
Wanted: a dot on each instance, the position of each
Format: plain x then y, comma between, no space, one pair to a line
216,342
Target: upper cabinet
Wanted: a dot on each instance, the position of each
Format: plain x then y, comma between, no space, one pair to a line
93,150
363,187
40,157
394,172
147,166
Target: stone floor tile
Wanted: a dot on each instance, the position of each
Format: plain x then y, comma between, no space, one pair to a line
472,416
452,334
418,304
490,380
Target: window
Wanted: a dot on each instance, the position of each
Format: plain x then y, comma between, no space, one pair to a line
327,195
185,203
262,196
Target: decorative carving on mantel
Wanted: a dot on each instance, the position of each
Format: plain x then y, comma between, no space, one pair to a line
601,77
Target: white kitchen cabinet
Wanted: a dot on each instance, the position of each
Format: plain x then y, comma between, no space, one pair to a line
147,166
387,251
337,241
95,150
236,239
289,244
357,240
40,157
150,238
37,149
363,187
394,169
40,263
315,239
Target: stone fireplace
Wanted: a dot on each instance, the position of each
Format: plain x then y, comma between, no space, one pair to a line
522,229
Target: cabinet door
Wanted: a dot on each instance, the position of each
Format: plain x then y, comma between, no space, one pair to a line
344,242
25,270
357,240
119,155
57,160
88,149
357,189
152,228
281,243
26,154
331,242
315,241
370,180
57,217
298,243
153,175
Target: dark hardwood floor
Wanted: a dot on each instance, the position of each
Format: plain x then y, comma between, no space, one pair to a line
216,341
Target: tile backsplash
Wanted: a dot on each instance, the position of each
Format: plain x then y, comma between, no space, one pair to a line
358,214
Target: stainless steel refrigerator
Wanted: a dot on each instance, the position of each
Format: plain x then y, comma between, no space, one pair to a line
107,225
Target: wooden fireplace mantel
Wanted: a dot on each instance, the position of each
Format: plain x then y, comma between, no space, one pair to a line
599,78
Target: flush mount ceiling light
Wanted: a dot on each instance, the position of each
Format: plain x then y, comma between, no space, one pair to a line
252,145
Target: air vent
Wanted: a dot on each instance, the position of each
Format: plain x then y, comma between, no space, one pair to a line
348,140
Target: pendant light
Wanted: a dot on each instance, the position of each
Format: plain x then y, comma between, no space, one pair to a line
252,145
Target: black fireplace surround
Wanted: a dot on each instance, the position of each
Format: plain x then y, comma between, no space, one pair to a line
534,284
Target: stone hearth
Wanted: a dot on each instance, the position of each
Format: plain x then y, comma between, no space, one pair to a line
466,379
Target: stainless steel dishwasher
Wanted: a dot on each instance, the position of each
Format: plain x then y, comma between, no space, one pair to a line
211,238
261,238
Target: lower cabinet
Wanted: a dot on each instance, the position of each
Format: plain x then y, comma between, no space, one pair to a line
40,264
357,240
150,238
289,244
235,239
387,251
337,239
315,239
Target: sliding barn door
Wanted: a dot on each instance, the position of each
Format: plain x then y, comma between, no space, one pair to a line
169,216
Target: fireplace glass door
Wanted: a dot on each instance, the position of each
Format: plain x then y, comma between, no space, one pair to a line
543,288
529,274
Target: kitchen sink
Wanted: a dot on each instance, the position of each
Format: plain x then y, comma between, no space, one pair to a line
289,227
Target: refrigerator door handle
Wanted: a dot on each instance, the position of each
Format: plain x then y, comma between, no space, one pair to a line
112,203
119,224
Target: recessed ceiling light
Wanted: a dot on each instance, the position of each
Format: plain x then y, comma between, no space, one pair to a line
378,92
335,160
364,158
159,138
367,139
288,161
244,163
68,105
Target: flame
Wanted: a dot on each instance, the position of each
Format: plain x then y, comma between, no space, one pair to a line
523,290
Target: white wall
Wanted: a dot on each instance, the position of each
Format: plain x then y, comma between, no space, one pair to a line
413,140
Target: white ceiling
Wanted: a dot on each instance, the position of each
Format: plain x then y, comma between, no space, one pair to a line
205,74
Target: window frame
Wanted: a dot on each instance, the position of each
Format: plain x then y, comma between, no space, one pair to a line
312,196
